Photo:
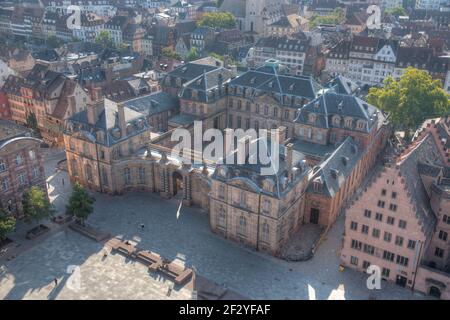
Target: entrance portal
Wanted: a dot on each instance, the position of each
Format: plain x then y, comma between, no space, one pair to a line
314,216
435,292
401,281
178,184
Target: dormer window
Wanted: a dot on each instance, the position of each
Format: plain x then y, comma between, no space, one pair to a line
312,118
361,125
349,122
336,121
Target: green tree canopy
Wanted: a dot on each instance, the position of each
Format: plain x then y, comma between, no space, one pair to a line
7,224
192,54
54,42
412,99
36,205
334,18
104,39
217,20
170,53
397,11
80,204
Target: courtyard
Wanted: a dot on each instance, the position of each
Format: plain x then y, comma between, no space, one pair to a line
183,235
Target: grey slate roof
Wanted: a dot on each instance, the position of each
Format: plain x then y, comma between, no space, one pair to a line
267,79
152,104
343,105
334,171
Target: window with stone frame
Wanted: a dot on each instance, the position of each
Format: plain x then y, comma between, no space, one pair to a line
222,218
19,160
265,233
266,206
5,184
74,167
2,165
32,155
142,177
241,226
105,177
88,171
221,191
127,176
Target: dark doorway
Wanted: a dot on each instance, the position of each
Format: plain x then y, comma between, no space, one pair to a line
401,281
435,292
177,182
314,217
216,123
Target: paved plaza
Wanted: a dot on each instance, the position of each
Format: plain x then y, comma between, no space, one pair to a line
186,238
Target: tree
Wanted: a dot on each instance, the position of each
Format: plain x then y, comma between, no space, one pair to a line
53,42
170,53
32,123
104,39
192,54
80,203
36,205
411,100
397,11
336,17
217,20
7,224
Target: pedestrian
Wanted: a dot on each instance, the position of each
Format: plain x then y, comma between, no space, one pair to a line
142,226
63,182
56,281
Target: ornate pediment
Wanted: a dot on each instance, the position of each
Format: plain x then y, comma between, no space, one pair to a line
267,99
244,183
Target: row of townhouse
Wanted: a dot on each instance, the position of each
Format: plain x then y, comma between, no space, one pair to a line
369,60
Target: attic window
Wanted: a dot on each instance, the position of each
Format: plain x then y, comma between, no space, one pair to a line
344,160
271,84
184,69
340,105
291,87
252,80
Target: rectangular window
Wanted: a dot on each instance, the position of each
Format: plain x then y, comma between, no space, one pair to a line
387,236
383,192
385,272
5,184
367,213
2,165
378,216
353,225
394,195
393,207
389,256
366,264
381,204
367,248
399,241
438,252
354,260
403,261
402,224
376,233
391,220
443,235
365,229
411,244
357,245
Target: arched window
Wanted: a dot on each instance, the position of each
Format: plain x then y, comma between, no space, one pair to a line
32,154
275,112
127,176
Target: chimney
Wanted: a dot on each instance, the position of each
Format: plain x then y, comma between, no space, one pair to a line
281,135
122,122
288,156
96,94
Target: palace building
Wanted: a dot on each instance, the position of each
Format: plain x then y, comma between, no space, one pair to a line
328,140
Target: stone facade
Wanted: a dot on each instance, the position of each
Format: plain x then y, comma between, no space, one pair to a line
21,166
